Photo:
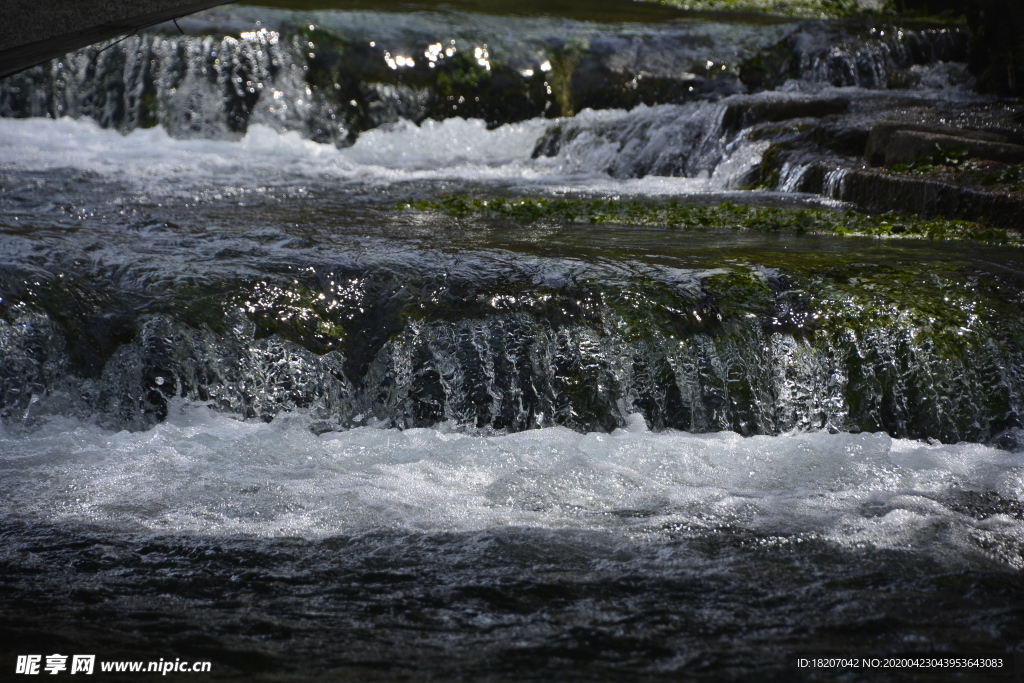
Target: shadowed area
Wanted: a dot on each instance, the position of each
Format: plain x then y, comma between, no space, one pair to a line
37,30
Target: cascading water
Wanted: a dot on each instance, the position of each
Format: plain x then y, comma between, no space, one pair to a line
509,346
252,412
349,72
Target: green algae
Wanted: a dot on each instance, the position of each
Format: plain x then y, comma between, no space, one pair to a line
676,215
761,341
738,293
957,163
563,64
905,338
297,313
344,77
770,168
1012,177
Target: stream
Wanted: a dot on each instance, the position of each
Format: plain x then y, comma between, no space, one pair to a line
255,409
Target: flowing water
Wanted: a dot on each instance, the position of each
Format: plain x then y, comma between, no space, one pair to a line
253,412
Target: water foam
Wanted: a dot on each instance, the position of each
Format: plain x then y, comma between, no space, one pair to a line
151,154
446,145
453,149
205,472
456,147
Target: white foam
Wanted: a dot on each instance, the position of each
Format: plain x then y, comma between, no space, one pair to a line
46,144
205,472
454,149
437,146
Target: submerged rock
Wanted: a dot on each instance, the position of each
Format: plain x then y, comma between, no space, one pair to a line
917,347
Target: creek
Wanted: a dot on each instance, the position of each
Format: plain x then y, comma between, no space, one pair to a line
257,408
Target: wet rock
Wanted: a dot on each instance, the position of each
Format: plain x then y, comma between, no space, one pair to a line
1010,440
554,138
839,56
772,67
905,146
841,136
745,113
591,84
877,191
891,143
997,39
981,504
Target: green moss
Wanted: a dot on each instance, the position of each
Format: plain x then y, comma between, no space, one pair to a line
941,158
563,63
738,293
770,169
957,163
296,313
1012,177
651,308
148,117
675,215
202,305
905,334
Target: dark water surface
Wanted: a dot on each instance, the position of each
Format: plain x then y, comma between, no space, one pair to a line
513,604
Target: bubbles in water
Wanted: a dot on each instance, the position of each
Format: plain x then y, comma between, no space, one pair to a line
204,472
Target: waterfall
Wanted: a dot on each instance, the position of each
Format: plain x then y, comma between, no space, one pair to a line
746,352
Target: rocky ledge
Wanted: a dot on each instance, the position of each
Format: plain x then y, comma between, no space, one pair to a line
965,163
